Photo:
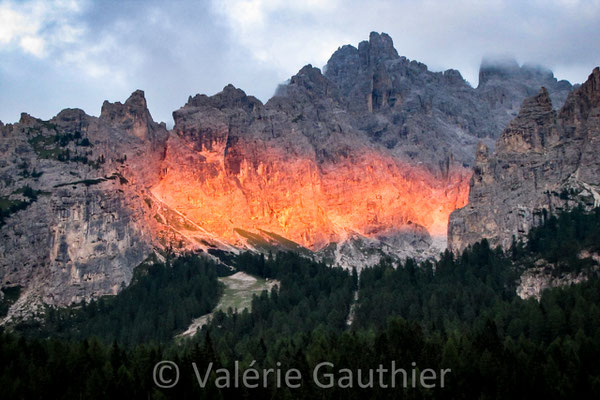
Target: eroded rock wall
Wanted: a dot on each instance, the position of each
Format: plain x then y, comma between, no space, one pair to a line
544,162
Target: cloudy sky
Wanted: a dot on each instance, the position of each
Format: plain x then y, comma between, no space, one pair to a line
77,53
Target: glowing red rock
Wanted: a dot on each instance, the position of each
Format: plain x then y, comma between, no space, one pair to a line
368,193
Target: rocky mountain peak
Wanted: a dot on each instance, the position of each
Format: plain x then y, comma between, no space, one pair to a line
500,68
132,116
542,164
135,103
535,106
533,129
137,100
343,53
397,100
69,114
583,101
304,92
27,120
507,68
134,107
380,47
343,64
309,79
348,60
454,77
308,72
497,75
543,99
229,97
71,120
536,70
374,147
504,84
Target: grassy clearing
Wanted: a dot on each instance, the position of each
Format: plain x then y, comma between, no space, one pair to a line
239,290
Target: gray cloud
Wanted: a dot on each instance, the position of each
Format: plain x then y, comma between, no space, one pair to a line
75,53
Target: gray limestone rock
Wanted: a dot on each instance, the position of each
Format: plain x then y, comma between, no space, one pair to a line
93,219
544,162
86,229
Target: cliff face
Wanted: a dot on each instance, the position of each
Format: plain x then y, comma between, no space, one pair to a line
503,84
377,144
85,227
543,275
544,162
424,116
366,159
296,168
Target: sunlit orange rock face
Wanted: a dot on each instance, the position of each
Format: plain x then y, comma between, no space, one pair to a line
366,192
296,167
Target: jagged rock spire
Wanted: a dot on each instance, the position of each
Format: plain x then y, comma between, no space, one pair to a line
542,164
583,100
533,129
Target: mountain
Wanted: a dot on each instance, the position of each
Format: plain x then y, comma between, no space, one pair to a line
364,160
376,146
544,161
296,167
425,116
74,224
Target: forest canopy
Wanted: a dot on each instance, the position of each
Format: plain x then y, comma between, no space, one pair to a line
460,312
